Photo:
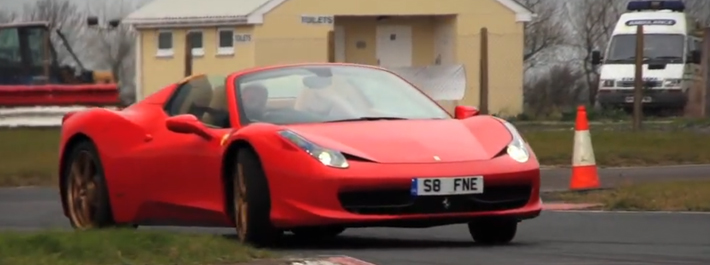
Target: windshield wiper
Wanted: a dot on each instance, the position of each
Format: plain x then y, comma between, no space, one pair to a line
667,57
369,118
632,58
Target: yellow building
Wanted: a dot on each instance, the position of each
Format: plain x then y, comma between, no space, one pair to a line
229,35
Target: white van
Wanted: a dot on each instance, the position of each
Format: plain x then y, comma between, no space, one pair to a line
672,45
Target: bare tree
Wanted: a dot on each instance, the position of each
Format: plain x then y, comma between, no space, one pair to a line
555,91
113,47
62,16
593,22
57,12
7,17
699,9
546,31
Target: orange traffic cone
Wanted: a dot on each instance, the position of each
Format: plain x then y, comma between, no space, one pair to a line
584,167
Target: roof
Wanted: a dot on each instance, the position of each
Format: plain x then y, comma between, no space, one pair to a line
25,24
522,13
212,12
161,13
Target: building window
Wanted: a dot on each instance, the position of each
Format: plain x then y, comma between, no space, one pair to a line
196,42
225,42
165,43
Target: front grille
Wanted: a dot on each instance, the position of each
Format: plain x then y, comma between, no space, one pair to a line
646,92
632,84
400,201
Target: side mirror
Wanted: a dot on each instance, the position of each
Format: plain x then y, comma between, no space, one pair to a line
695,57
114,23
187,124
92,21
596,58
463,112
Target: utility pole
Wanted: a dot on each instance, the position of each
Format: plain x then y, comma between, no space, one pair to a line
483,69
638,80
188,55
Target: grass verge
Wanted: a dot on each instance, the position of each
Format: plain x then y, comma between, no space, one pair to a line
30,156
121,247
658,196
624,148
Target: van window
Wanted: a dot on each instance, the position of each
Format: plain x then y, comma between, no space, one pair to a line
668,47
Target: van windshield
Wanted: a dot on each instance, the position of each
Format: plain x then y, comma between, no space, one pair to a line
669,48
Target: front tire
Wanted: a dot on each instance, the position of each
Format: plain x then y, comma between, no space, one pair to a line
85,191
493,231
252,202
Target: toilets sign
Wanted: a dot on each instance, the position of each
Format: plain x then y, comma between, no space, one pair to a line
242,37
317,19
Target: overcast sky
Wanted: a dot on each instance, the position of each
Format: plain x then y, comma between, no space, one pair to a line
16,5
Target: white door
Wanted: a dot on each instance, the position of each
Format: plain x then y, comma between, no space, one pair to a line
443,44
339,39
394,45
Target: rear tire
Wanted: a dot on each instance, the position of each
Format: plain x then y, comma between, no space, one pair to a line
317,232
493,231
252,202
84,190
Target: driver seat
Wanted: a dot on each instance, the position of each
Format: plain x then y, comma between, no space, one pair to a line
198,98
219,106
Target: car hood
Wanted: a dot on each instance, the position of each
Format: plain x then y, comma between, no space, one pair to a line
411,141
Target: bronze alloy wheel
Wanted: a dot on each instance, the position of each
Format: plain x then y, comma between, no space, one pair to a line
241,203
252,203
82,200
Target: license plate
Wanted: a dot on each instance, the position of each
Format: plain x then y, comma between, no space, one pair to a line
447,186
644,100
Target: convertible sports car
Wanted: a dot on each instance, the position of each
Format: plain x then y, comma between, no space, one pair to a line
308,148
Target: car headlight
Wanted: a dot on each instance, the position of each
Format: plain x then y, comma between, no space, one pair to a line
673,82
517,150
607,82
328,157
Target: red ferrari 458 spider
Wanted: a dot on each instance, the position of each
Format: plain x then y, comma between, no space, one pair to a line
308,148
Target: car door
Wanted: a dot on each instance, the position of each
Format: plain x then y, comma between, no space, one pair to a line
183,171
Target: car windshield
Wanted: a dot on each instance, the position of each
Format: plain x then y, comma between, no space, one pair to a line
326,93
665,47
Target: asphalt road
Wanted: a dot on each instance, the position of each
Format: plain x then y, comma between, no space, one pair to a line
571,238
554,238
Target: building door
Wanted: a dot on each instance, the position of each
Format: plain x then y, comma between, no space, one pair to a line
339,43
444,43
394,45
336,45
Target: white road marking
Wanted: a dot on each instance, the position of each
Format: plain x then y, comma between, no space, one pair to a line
629,212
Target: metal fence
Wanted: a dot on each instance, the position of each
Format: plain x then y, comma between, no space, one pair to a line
34,116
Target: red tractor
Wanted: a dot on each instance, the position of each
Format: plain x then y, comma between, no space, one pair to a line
32,75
